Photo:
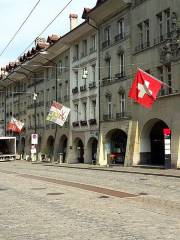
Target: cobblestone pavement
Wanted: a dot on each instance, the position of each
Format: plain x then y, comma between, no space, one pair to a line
37,209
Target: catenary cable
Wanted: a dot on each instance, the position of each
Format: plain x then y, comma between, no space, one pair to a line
15,34
62,10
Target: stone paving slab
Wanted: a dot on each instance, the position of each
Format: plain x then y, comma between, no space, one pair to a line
28,212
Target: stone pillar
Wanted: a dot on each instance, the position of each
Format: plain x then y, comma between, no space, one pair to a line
133,148
175,147
102,152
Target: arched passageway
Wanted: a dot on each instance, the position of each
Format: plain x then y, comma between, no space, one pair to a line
50,146
79,149
92,150
152,145
63,147
23,143
115,144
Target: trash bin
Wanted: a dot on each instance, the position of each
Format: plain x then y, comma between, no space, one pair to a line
60,158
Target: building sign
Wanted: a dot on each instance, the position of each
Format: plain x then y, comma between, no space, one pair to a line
167,146
34,139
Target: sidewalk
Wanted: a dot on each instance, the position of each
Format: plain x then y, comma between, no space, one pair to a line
136,170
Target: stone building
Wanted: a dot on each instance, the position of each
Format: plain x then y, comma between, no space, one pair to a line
142,34
91,69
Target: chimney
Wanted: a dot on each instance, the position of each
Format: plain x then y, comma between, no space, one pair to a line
73,21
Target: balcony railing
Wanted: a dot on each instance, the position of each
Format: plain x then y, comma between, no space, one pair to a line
83,123
75,90
142,46
105,44
83,88
75,124
119,76
83,54
92,121
122,116
92,50
75,58
107,117
163,38
119,37
92,85
106,81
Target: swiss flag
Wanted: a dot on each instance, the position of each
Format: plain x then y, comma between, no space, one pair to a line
145,88
15,125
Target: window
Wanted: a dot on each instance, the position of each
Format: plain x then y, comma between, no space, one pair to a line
66,64
167,21
140,31
93,67
76,78
93,43
121,64
147,39
85,76
85,111
60,67
76,108
121,28
107,35
84,45
94,109
76,52
160,26
109,71
122,103
109,104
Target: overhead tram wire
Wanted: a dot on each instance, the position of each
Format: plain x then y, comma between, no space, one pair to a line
62,10
13,37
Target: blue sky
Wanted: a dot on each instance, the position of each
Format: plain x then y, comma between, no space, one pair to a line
14,12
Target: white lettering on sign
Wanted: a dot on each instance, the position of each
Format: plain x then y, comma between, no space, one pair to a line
144,89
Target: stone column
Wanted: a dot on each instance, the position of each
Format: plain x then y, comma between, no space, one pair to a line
133,148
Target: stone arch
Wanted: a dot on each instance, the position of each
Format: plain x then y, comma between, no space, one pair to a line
115,146
50,146
152,143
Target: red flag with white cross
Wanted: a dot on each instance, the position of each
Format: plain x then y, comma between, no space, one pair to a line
145,88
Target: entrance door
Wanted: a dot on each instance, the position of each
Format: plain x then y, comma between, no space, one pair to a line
80,152
157,144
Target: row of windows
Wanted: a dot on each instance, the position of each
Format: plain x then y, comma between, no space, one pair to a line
163,30
81,50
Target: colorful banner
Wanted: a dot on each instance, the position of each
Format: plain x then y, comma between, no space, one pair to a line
58,113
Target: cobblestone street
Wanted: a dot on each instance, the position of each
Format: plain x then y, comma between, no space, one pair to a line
45,202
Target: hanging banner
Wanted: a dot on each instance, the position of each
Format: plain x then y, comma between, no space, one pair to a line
58,113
